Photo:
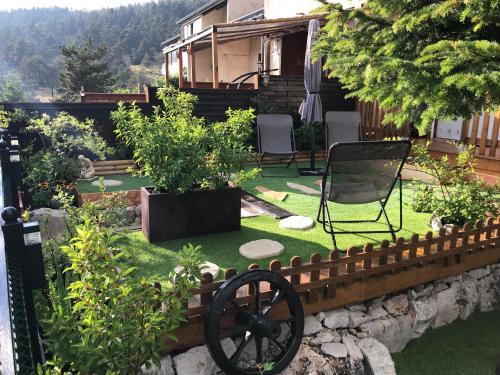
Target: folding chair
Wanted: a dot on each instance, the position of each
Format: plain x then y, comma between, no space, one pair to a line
359,173
342,126
276,139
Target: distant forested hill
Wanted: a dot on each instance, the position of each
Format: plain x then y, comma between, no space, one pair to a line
30,40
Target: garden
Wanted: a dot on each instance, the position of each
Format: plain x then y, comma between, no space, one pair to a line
142,269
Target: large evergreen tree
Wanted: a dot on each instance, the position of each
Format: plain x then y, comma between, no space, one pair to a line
427,58
84,65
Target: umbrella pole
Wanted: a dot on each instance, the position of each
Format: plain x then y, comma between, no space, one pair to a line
312,171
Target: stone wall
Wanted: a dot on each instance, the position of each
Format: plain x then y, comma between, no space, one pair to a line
358,339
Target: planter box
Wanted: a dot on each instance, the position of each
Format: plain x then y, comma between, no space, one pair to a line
168,216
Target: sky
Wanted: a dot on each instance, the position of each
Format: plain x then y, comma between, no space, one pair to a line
72,4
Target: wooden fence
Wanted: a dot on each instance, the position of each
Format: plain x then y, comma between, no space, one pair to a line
371,122
360,274
485,145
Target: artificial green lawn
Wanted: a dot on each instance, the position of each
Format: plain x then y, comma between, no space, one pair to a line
129,183
470,347
155,261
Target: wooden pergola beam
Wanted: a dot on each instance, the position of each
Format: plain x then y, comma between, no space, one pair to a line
215,60
167,81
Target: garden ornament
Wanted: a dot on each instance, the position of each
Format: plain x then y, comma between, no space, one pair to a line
87,170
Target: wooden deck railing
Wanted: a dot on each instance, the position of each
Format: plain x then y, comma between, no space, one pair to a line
371,122
361,273
487,143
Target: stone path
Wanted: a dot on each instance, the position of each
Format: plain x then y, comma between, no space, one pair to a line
297,223
107,183
261,249
303,188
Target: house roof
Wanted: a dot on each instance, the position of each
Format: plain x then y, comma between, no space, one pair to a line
208,6
227,32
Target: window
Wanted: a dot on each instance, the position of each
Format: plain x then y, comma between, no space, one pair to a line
191,28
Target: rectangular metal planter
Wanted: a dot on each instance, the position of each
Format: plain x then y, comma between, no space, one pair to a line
168,216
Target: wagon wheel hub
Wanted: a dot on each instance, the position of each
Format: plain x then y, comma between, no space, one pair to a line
261,325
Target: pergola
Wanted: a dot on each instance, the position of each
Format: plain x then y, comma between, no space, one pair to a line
218,34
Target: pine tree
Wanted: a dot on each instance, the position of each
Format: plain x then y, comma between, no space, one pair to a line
427,58
84,66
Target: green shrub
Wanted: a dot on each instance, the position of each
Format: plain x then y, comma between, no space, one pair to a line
177,150
100,318
460,195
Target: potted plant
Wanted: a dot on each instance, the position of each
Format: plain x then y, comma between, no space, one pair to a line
190,164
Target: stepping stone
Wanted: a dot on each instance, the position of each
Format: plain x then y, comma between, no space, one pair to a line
261,249
108,183
303,188
270,193
205,267
297,223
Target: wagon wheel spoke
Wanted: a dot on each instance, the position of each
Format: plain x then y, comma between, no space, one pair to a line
235,304
281,347
240,348
276,298
256,286
258,348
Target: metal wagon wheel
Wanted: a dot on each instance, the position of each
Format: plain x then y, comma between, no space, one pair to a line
260,340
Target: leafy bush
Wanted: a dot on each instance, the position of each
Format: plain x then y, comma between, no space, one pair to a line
101,319
55,166
460,195
177,150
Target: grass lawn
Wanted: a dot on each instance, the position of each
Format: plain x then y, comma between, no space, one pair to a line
129,183
155,260
470,347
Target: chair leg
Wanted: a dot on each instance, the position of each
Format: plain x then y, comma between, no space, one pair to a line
391,228
332,233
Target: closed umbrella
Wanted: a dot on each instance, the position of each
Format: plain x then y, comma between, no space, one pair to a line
311,110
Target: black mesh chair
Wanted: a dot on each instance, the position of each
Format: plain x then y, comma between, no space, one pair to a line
276,139
359,173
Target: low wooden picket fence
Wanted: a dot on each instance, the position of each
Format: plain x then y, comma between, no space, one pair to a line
372,127
360,274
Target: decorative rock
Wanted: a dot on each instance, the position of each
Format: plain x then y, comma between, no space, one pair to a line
334,349
194,361
308,362
450,279
205,267
107,183
261,249
376,302
357,307
352,349
439,287
356,318
297,223
337,319
377,357
323,338
488,290
447,308
435,223
129,215
311,325
423,291
52,222
166,367
479,273
378,313
397,305
425,310
394,333
321,316
138,211
468,296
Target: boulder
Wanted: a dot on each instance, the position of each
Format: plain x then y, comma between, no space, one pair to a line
424,310
397,305
357,307
374,303
129,215
439,287
198,360
393,332
337,319
333,349
488,290
308,362
423,290
377,359
166,367
479,273
325,337
52,222
321,316
357,318
447,307
352,349
378,313
467,296
138,211
311,325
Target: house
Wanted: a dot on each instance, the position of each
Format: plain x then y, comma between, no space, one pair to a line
233,40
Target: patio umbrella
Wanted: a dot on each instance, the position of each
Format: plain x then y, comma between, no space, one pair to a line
311,110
